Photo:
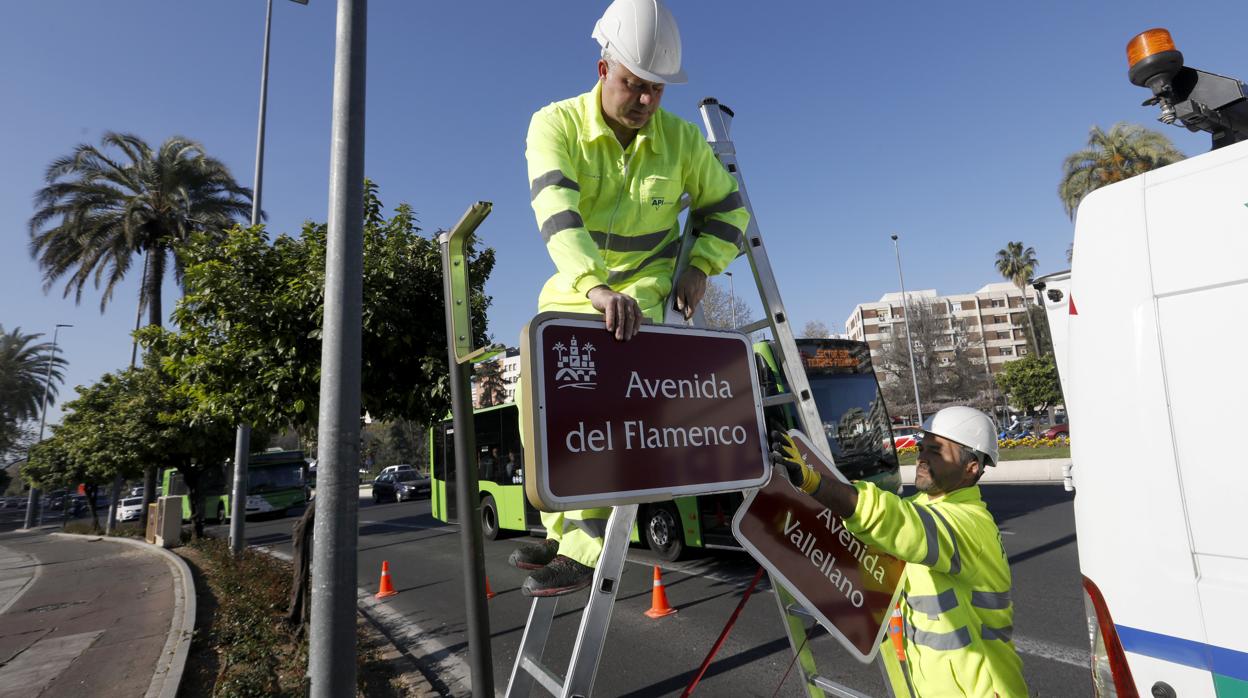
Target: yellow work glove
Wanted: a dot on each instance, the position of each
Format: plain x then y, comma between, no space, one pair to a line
784,454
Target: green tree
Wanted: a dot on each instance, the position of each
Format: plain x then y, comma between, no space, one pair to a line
100,209
1017,264
122,424
248,348
24,364
489,378
1124,151
1030,383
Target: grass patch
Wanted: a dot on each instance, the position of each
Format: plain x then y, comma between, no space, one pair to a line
243,644
1008,454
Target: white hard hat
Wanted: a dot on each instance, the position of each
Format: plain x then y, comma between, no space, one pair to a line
642,34
967,426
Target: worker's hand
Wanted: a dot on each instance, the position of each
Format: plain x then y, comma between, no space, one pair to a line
784,454
689,290
622,313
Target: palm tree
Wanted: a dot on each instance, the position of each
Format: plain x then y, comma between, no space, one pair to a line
24,375
1126,150
1017,265
98,211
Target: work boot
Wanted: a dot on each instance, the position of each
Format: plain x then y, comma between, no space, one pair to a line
562,576
534,556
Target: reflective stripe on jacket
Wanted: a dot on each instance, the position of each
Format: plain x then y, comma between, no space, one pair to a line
608,215
955,593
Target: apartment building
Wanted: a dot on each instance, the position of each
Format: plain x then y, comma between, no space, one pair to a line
510,373
993,318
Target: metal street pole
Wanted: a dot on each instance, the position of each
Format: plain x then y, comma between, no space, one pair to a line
732,299
33,502
905,314
331,650
242,439
456,295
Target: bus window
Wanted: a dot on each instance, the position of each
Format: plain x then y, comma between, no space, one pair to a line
489,449
442,463
510,448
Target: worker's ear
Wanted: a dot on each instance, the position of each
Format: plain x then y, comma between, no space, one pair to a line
603,69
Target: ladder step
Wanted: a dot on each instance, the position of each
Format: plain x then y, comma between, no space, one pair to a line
781,399
835,689
755,326
549,680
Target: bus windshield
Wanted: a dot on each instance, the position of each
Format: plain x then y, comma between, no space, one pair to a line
279,476
856,424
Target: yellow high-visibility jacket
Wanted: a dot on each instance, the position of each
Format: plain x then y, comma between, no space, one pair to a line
608,214
955,592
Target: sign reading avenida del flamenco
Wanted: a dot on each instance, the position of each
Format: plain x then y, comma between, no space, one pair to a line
673,411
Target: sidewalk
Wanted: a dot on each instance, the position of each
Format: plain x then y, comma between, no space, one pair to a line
84,616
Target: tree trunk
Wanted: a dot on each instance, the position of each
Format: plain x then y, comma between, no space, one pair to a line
154,274
114,495
149,495
190,476
92,491
301,590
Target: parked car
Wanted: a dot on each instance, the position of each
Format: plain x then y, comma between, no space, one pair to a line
1056,431
129,509
400,468
906,436
399,487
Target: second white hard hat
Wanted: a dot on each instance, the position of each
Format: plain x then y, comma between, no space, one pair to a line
967,426
642,34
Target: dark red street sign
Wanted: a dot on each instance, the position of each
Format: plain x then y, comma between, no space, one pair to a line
674,411
848,586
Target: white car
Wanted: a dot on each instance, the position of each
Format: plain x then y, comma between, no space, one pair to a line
401,468
129,509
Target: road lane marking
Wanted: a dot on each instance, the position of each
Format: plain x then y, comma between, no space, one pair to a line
38,665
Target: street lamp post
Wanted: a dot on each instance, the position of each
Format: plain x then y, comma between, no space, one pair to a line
732,299
905,314
242,440
33,502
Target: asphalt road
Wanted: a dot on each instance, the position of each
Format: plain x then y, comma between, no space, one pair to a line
645,657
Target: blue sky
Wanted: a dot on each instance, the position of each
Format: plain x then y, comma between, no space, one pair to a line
944,122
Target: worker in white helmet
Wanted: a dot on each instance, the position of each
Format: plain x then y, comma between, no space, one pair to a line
956,590
607,172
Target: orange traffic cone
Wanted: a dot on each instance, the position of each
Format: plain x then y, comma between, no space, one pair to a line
658,598
386,588
489,593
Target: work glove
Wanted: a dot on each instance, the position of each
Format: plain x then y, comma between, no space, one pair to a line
784,455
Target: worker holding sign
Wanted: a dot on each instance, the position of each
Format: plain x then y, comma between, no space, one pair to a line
956,611
607,171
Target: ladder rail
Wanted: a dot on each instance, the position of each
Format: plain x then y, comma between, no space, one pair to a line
591,635
717,119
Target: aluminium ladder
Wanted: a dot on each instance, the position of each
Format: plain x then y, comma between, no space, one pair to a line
595,619
717,119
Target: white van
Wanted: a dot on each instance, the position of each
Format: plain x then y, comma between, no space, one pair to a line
1148,335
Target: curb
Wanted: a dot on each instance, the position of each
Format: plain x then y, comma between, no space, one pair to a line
167,679
30,581
1013,472
451,671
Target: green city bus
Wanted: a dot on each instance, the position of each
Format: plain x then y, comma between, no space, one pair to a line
276,482
850,405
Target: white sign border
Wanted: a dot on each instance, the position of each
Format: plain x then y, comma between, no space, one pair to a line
539,325
792,588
